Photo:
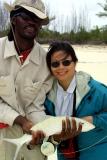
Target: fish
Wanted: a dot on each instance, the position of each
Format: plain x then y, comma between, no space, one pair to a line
50,126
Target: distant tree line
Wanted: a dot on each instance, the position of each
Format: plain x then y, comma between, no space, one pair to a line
72,28
94,36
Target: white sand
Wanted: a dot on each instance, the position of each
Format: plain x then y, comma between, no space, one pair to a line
93,59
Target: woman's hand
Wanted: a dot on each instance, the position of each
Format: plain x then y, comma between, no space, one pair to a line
69,130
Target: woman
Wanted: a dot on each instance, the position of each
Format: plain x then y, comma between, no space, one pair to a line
76,94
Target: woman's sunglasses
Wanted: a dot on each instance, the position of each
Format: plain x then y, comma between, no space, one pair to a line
56,64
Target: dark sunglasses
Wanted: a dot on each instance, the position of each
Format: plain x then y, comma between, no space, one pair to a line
28,17
56,64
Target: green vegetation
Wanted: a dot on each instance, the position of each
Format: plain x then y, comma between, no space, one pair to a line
104,7
94,36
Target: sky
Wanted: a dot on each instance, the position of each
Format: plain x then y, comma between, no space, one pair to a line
66,8
91,8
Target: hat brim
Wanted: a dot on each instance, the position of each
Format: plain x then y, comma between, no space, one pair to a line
39,14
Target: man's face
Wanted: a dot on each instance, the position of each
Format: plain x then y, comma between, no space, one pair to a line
26,25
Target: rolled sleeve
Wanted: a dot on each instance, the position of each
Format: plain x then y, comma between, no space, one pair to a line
7,114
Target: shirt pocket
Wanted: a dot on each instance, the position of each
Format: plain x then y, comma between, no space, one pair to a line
32,88
6,86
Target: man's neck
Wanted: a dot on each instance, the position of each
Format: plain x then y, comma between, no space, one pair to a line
23,45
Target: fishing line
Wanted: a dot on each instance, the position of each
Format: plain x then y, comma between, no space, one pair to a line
14,37
86,148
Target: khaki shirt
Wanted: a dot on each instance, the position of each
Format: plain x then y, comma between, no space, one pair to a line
23,88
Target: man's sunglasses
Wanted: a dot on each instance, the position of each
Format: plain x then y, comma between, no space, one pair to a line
28,16
56,64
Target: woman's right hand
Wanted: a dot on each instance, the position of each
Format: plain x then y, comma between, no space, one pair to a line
69,130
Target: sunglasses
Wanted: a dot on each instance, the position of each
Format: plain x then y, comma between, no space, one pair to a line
28,17
56,64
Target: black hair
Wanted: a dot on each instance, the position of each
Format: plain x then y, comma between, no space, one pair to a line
60,46
14,12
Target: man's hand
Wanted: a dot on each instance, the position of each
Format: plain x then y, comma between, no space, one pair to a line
37,137
69,130
24,123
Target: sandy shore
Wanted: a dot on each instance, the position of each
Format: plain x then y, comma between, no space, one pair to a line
92,59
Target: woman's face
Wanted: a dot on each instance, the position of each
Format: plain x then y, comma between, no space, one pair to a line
62,66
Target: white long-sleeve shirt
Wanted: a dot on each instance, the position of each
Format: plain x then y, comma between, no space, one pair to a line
64,100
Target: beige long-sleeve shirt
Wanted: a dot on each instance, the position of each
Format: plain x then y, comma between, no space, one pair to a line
23,88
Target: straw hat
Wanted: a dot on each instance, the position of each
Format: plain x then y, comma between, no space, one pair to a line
35,6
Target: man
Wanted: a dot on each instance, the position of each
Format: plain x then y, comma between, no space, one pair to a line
24,78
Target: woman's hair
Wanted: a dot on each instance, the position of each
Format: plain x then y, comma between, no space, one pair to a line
60,46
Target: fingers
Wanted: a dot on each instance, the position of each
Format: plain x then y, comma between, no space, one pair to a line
37,137
79,128
76,129
66,125
27,126
69,125
74,126
63,126
70,129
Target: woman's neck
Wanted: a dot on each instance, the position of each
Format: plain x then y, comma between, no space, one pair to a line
65,84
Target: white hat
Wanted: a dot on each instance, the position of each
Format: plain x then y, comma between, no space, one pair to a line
35,6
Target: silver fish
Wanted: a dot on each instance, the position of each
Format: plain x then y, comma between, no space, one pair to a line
49,126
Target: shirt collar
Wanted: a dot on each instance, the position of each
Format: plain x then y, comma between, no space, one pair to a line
11,51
